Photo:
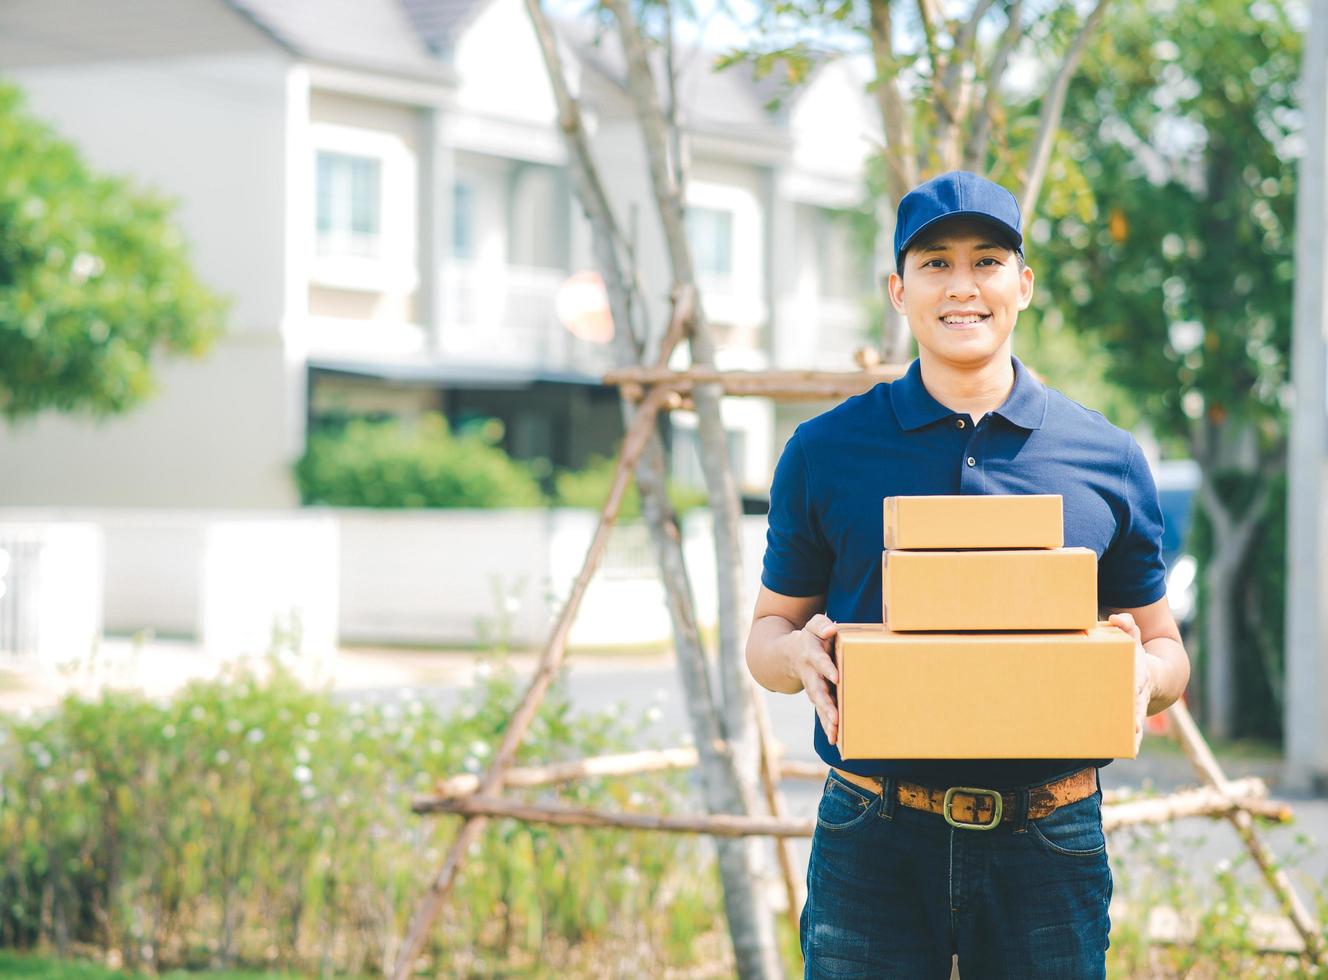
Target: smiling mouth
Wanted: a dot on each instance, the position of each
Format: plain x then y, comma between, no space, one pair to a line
962,320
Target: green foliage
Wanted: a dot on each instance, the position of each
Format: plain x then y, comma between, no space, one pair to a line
424,464
1224,909
249,821
1178,262
589,487
95,280
1181,264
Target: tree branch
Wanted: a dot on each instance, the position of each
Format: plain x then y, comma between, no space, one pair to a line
901,173
608,243
1052,110
975,151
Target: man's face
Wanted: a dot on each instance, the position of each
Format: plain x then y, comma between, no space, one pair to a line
962,291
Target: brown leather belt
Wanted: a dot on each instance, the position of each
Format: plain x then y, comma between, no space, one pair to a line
974,808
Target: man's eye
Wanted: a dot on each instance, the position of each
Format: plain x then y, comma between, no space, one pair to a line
989,260
933,263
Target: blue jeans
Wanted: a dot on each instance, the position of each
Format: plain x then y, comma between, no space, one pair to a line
895,892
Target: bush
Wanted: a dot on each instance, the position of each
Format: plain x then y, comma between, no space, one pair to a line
251,821
394,464
589,487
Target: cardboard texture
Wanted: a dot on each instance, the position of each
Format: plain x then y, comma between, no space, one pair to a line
1050,589
990,696
974,521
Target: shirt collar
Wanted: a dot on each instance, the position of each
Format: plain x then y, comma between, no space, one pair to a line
914,406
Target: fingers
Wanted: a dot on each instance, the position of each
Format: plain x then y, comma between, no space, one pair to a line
819,695
1126,622
819,671
822,626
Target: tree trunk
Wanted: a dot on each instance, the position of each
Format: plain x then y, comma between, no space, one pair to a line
1224,447
751,925
1219,644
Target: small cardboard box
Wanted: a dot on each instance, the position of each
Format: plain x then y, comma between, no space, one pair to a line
985,696
1050,589
974,521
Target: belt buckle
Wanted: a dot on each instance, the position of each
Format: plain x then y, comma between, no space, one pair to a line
997,804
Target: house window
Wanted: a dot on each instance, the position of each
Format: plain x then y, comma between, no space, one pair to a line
349,204
463,221
710,233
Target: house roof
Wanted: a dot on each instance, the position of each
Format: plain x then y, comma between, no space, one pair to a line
381,35
438,21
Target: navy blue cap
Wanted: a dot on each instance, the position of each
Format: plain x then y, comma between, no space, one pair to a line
956,194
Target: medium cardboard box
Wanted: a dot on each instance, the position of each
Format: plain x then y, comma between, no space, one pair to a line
974,521
1050,589
985,696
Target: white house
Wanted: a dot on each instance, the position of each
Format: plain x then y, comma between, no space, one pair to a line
380,189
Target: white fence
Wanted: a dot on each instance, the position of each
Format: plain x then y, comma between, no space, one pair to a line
436,578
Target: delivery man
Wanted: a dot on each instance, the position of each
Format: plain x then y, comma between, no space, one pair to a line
894,889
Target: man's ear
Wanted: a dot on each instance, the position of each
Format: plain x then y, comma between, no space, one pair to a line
895,287
1025,287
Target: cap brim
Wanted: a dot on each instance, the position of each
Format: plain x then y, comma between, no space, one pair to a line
982,216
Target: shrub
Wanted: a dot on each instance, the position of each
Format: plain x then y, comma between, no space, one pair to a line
589,487
251,821
424,464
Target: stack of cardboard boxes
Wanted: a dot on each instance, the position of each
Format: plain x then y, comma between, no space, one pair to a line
989,646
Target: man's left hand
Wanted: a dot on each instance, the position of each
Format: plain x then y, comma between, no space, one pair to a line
1143,677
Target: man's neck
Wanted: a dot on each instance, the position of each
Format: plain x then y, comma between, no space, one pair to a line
969,390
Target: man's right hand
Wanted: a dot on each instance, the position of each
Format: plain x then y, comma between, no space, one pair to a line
812,661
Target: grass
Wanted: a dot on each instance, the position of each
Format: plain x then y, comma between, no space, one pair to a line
34,967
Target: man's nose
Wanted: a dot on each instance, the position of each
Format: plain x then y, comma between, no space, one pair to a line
961,284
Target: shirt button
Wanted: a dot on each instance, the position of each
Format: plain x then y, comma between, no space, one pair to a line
959,423
972,461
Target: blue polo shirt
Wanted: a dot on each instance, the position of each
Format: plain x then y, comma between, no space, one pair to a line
826,531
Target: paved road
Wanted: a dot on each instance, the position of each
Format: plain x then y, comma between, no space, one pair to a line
600,683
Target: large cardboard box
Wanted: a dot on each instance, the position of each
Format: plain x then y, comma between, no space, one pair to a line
974,521
985,696
1050,589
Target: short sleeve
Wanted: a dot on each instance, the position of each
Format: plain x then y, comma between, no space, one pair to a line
1131,572
797,559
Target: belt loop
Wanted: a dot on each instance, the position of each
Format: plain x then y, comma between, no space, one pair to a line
889,798
1021,811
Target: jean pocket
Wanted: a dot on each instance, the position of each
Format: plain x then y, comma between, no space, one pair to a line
843,806
1074,830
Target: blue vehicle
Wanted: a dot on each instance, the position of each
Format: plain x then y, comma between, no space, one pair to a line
1177,483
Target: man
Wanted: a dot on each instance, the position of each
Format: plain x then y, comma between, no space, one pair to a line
894,890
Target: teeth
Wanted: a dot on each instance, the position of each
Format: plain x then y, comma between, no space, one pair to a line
963,319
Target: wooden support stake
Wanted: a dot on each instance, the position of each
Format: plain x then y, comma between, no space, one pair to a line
1189,803
1192,742
623,764
638,435
1202,801
784,385
794,889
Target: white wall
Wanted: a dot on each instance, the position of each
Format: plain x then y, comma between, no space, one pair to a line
438,578
224,579
209,131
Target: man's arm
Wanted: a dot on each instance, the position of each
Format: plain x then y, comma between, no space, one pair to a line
791,649
1161,665
1155,629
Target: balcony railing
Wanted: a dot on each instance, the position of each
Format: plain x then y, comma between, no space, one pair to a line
820,333
503,316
